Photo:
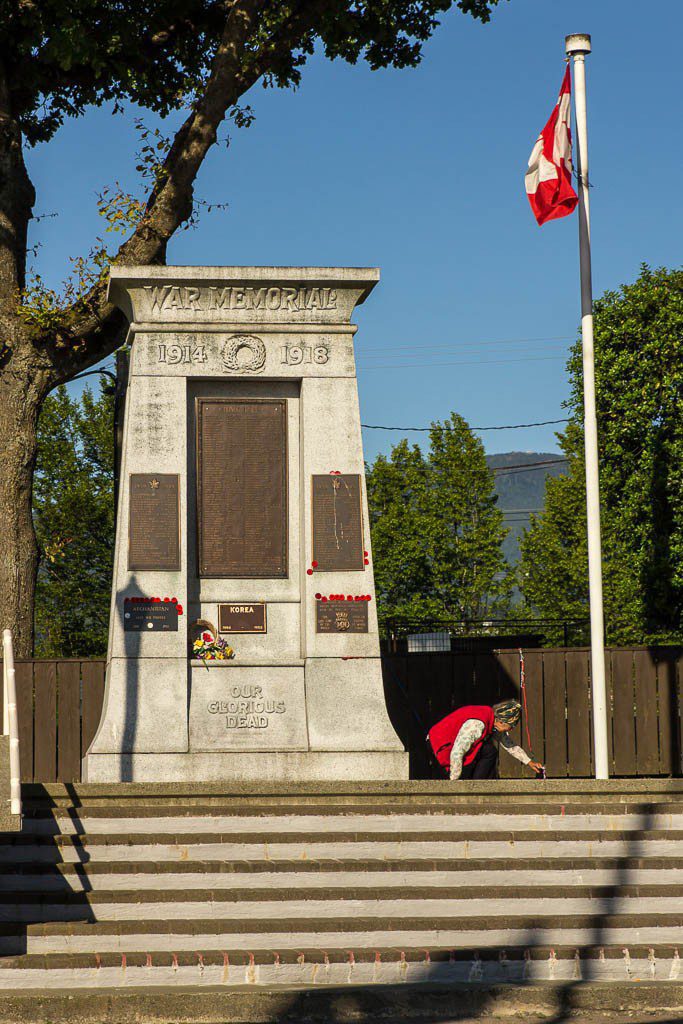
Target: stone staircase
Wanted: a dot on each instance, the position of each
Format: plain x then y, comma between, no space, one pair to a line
333,884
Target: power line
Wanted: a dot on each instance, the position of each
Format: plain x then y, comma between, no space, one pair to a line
454,344
464,362
507,426
529,466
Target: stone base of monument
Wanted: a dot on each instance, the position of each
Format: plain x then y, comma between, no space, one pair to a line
296,721
287,766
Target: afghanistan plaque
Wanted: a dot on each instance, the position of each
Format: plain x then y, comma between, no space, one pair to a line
341,617
242,487
154,522
144,616
338,522
248,617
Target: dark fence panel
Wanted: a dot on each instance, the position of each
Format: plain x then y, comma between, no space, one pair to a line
644,690
60,702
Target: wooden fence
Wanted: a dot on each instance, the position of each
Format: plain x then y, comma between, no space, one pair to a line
59,706
644,686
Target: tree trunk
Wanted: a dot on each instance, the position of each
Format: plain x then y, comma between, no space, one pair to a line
20,401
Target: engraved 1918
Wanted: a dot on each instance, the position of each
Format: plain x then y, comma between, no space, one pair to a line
292,355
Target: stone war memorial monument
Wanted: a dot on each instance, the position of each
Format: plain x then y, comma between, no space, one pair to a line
242,515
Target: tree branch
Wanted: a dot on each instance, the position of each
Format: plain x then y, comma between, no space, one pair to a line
94,327
17,197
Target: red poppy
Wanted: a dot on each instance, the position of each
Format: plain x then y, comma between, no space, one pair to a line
180,609
367,561
323,599
309,572
318,596
174,600
314,564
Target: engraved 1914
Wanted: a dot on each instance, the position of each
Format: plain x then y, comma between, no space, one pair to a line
174,354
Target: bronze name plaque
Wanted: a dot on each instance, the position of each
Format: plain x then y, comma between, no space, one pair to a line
337,522
341,617
242,487
142,616
248,617
154,522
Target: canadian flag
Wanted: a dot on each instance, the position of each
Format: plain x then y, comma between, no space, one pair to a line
549,178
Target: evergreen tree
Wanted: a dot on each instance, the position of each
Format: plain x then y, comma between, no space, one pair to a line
639,390
73,512
437,531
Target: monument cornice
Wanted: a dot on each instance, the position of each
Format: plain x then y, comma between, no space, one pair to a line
218,295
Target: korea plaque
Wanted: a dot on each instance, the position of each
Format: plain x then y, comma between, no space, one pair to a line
244,617
341,617
242,487
154,522
338,522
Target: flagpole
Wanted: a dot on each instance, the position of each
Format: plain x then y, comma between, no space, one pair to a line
577,46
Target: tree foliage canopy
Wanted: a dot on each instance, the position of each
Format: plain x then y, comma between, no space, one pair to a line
73,510
436,529
639,398
62,57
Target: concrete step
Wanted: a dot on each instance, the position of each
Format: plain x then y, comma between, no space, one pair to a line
339,885
340,935
87,873
188,998
298,825
386,966
402,906
514,846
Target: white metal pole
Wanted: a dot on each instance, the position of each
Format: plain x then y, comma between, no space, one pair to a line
10,720
577,46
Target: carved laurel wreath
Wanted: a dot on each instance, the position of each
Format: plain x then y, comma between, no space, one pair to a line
233,346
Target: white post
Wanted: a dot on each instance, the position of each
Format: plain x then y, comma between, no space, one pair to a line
577,46
10,724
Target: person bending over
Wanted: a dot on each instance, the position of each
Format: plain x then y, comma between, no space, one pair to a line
466,741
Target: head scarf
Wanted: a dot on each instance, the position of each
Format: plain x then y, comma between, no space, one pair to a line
508,711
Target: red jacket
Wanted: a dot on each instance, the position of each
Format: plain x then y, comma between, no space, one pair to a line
442,735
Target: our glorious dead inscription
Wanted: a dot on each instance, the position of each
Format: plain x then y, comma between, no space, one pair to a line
242,487
154,522
337,522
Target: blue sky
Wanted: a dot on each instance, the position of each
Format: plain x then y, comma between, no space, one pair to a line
420,172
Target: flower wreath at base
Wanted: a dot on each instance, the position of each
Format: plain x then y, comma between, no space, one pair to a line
207,647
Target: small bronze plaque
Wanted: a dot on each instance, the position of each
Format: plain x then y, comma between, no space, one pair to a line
338,522
341,617
248,617
242,487
150,616
154,522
